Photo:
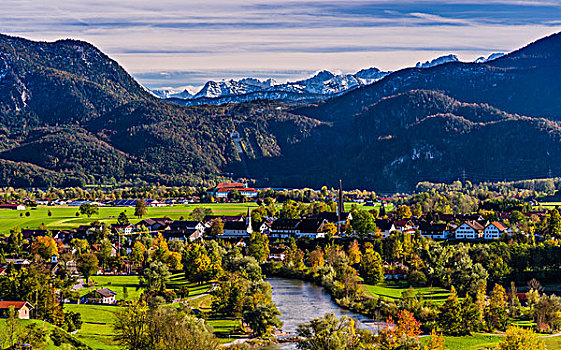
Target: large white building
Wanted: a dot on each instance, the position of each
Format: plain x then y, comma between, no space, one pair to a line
494,230
469,230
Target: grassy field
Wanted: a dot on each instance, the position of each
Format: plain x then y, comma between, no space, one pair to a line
98,320
474,342
97,329
116,284
393,290
49,327
64,217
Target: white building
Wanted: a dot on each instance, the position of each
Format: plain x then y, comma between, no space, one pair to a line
469,230
494,230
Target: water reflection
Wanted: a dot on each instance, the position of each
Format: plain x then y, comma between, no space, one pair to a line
301,302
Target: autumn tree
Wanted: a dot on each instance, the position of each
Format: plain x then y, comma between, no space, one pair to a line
435,341
496,313
403,212
138,251
315,258
217,227
258,246
196,263
354,252
330,229
405,334
140,208
44,246
520,339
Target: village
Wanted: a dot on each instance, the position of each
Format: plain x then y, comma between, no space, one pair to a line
118,252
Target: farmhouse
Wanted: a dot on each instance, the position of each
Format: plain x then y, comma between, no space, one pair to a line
12,206
23,308
100,296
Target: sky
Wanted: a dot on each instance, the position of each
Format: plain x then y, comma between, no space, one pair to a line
176,43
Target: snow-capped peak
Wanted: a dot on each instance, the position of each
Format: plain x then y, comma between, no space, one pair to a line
491,57
438,61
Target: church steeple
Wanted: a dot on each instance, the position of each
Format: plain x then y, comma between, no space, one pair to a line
248,221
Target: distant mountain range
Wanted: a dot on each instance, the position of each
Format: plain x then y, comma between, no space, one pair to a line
319,87
70,115
322,85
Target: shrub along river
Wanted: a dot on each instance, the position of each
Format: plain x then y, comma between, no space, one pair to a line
300,302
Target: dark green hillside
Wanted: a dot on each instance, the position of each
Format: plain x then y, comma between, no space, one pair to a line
69,115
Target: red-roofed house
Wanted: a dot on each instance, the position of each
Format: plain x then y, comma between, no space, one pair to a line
494,230
12,206
22,307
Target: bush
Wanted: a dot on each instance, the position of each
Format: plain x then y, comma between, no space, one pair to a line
57,337
183,292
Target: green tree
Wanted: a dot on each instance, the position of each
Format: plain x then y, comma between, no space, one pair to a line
469,314
450,316
329,333
12,329
258,246
229,296
131,326
371,267
199,213
156,275
363,222
262,319
88,265
15,240
196,263
140,208
123,219
89,209
496,314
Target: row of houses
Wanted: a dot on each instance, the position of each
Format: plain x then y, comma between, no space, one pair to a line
475,228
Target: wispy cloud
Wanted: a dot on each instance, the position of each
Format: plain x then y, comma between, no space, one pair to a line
197,40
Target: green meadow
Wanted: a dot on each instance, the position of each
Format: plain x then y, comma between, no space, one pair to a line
394,290
64,217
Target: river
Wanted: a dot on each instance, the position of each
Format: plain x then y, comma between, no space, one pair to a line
300,302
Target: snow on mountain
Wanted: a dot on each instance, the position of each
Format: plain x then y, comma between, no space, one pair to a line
321,85
491,57
437,61
165,93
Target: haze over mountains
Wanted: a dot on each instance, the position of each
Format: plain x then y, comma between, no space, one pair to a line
69,114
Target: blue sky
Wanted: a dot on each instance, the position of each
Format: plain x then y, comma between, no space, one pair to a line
186,42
